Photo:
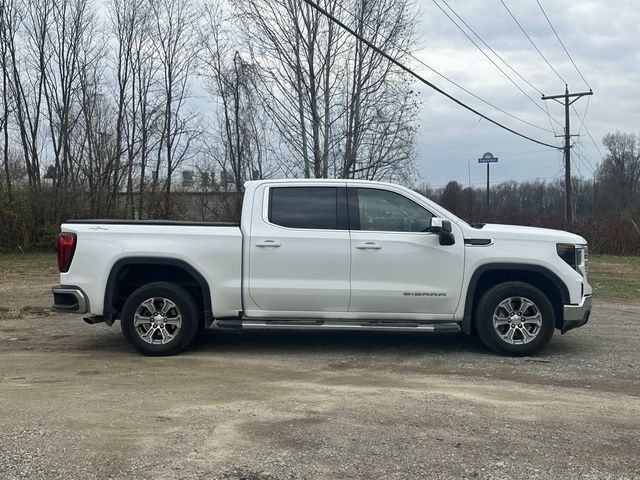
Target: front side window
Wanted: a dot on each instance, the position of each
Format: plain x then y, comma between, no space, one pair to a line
386,211
304,207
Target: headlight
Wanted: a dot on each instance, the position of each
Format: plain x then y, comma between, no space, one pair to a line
585,260
576,256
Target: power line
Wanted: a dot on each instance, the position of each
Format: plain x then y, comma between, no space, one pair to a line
490,59
584,127
577,164
565,48
584,115
550,122
486,102
584,158
595,144
419,77
532,42
491,49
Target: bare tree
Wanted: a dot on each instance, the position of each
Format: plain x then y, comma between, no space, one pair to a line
619,173
126,18
6,10
342,109
135,74
380,103
143,121
72,45
25,54
240,148
298,51
93,142
176,52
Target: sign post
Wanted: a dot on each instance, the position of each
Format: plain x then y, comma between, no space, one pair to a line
488,158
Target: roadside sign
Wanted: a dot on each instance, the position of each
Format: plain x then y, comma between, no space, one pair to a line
488,158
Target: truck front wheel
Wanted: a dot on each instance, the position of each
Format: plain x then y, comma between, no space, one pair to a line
159,319
514,318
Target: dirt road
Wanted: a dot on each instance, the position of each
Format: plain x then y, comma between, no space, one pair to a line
77,402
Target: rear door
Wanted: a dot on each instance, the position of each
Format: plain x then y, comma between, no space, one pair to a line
299,250
396,267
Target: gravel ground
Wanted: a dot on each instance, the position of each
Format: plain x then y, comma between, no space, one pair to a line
77,402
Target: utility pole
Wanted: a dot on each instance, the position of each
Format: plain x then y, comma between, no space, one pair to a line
568,210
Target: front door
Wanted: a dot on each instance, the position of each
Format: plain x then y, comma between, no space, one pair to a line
396,267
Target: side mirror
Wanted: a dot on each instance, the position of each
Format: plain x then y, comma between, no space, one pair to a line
442,228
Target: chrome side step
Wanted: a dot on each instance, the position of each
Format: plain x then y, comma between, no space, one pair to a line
448,327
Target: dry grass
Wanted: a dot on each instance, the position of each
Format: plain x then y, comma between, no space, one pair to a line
28,264
615,278
19,271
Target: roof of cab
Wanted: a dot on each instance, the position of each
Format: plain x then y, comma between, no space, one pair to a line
318,180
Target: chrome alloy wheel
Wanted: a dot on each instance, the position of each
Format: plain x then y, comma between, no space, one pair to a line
517,320
157,320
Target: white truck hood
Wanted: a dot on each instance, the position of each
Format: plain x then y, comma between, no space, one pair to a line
515,232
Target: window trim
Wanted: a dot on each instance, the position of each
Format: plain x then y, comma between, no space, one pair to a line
354,211
342,214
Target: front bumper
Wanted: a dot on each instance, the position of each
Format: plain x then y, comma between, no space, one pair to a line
576,315
69,299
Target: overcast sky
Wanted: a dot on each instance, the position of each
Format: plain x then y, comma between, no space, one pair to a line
603,37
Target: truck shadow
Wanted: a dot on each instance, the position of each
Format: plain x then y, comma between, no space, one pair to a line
291,342
400,345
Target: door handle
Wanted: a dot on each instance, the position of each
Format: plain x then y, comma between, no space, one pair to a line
268,243
369,246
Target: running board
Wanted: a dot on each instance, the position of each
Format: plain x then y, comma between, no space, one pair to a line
448,327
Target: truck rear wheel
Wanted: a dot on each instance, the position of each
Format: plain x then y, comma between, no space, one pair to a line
514,318
159,319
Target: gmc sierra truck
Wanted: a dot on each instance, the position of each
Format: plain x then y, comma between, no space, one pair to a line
325,254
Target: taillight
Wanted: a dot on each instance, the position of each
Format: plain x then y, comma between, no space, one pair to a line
66,248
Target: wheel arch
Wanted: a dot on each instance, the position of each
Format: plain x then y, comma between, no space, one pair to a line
128,274
488,275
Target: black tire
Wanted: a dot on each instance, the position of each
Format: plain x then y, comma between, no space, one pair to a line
511,296
184,311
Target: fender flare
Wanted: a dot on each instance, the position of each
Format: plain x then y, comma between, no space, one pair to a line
488,267
110,289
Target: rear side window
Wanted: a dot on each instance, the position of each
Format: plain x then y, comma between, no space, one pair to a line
308,207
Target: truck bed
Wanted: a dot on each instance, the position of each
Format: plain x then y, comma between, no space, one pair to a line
214,250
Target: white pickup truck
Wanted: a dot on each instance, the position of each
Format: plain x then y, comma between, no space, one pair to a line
325,254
